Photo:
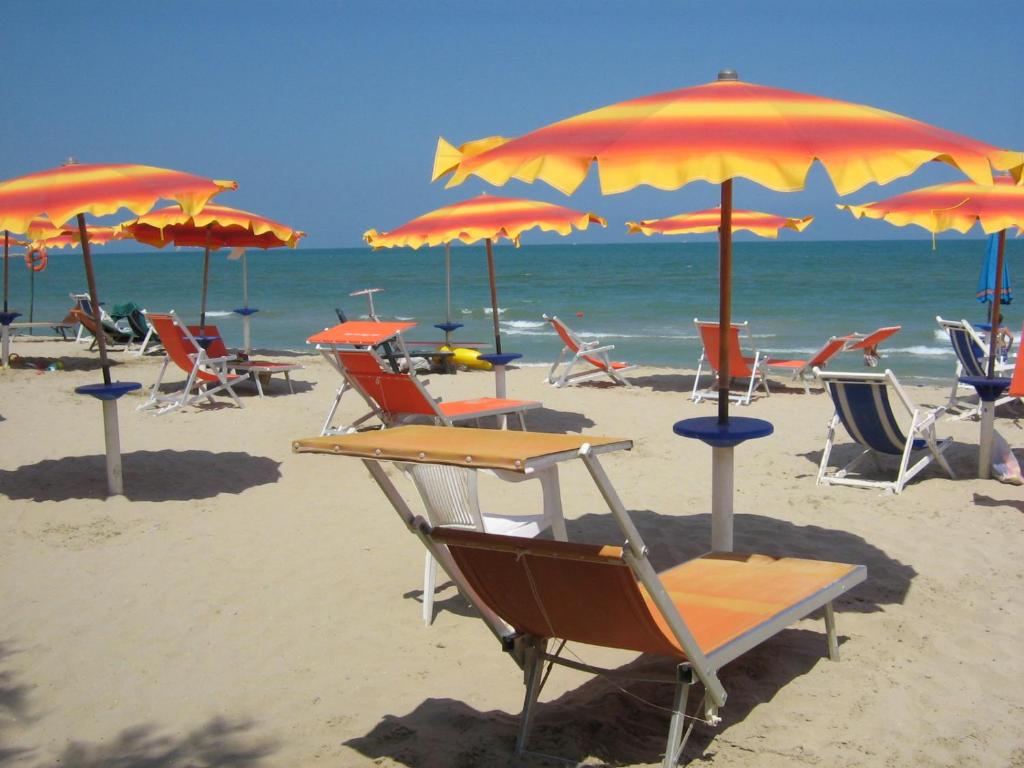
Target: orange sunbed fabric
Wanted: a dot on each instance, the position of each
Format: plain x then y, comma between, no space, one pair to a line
570,342
217,348
359,333
582,592
173,340
738,364
1017,382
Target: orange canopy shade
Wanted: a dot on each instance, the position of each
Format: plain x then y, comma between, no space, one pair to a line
225,227
71,239
700,222
63,192
723,130
483,218
951,206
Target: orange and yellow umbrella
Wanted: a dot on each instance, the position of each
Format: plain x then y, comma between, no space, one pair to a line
484,218
702,222
717,132
74,190
957,206
212,228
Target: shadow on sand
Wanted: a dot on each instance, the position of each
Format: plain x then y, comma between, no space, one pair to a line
148,476
218,743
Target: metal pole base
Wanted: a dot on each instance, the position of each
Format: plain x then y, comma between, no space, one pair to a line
721,499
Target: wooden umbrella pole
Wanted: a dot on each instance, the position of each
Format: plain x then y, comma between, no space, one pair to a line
494,296
447,282
993,336
724,301
90,279
7,254
206,276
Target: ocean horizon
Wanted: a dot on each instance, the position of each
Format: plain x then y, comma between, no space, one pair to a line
640,296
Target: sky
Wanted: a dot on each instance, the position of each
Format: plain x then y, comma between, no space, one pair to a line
328,113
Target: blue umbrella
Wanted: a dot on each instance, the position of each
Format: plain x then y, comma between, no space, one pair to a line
987,279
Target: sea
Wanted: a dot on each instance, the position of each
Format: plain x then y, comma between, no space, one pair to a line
642,297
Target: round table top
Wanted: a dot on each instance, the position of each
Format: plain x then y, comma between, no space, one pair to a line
111,391
737,430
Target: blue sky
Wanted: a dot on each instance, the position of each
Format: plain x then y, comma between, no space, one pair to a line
327,113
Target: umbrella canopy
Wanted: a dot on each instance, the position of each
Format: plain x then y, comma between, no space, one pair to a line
717,132
212,228
987,279
702,222
958,206
485,218
73,190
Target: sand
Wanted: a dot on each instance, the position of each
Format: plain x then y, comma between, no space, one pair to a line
244,605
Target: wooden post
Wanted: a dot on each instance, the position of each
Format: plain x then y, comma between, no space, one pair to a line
494,296
724,301
993,336
90,279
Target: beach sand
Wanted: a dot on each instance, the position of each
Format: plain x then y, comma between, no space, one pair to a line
244,605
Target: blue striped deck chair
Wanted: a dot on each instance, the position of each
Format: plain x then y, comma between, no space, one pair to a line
971,352
863,407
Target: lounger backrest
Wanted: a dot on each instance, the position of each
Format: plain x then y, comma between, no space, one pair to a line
580,592
1017,382
968,351
176,344
217,347
864,409
832,346
875,338
572,342
393,392
709,335
449,494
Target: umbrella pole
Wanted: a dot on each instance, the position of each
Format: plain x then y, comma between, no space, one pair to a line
246,336
206,276
724,301
5,331
993,340
7,254
494,296
448,292
90,279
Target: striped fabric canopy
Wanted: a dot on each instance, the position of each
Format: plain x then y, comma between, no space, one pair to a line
63,192
483,218
722,130
951,206
225,227
71,238
701,222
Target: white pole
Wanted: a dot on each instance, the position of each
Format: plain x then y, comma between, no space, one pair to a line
5,332
115,478
988,412
448,282
721,499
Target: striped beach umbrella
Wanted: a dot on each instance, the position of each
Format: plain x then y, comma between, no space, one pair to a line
703,222
987,281
213,228
73,190
717,132
484,218
958,206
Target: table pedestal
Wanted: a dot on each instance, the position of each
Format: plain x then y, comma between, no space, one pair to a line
108,395
499,362
245,312
989,390
723,438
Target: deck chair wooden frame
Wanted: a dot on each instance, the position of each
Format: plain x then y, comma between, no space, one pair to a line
592,354
254,370
532,591
971,352
803,370
206,375
741,366
395,398
863,407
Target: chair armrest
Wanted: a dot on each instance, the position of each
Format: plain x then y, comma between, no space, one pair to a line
592,350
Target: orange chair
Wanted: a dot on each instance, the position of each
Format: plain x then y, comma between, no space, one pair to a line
804,369
255,369
740,366
591,352
206,375
396,397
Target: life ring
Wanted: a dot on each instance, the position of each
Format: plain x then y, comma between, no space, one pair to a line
467,357
35,259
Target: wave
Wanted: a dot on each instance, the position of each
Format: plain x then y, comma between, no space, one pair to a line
218,313
523,324
923,351
490,310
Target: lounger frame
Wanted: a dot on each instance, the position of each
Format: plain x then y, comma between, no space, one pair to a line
964,338
592,354
751,368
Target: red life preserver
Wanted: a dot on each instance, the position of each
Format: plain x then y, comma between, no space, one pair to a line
35,259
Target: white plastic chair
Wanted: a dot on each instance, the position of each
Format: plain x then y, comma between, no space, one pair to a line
451,499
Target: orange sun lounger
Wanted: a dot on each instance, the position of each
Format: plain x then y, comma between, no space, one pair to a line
255,369
701,614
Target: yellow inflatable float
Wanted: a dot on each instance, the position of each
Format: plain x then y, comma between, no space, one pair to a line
467,358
